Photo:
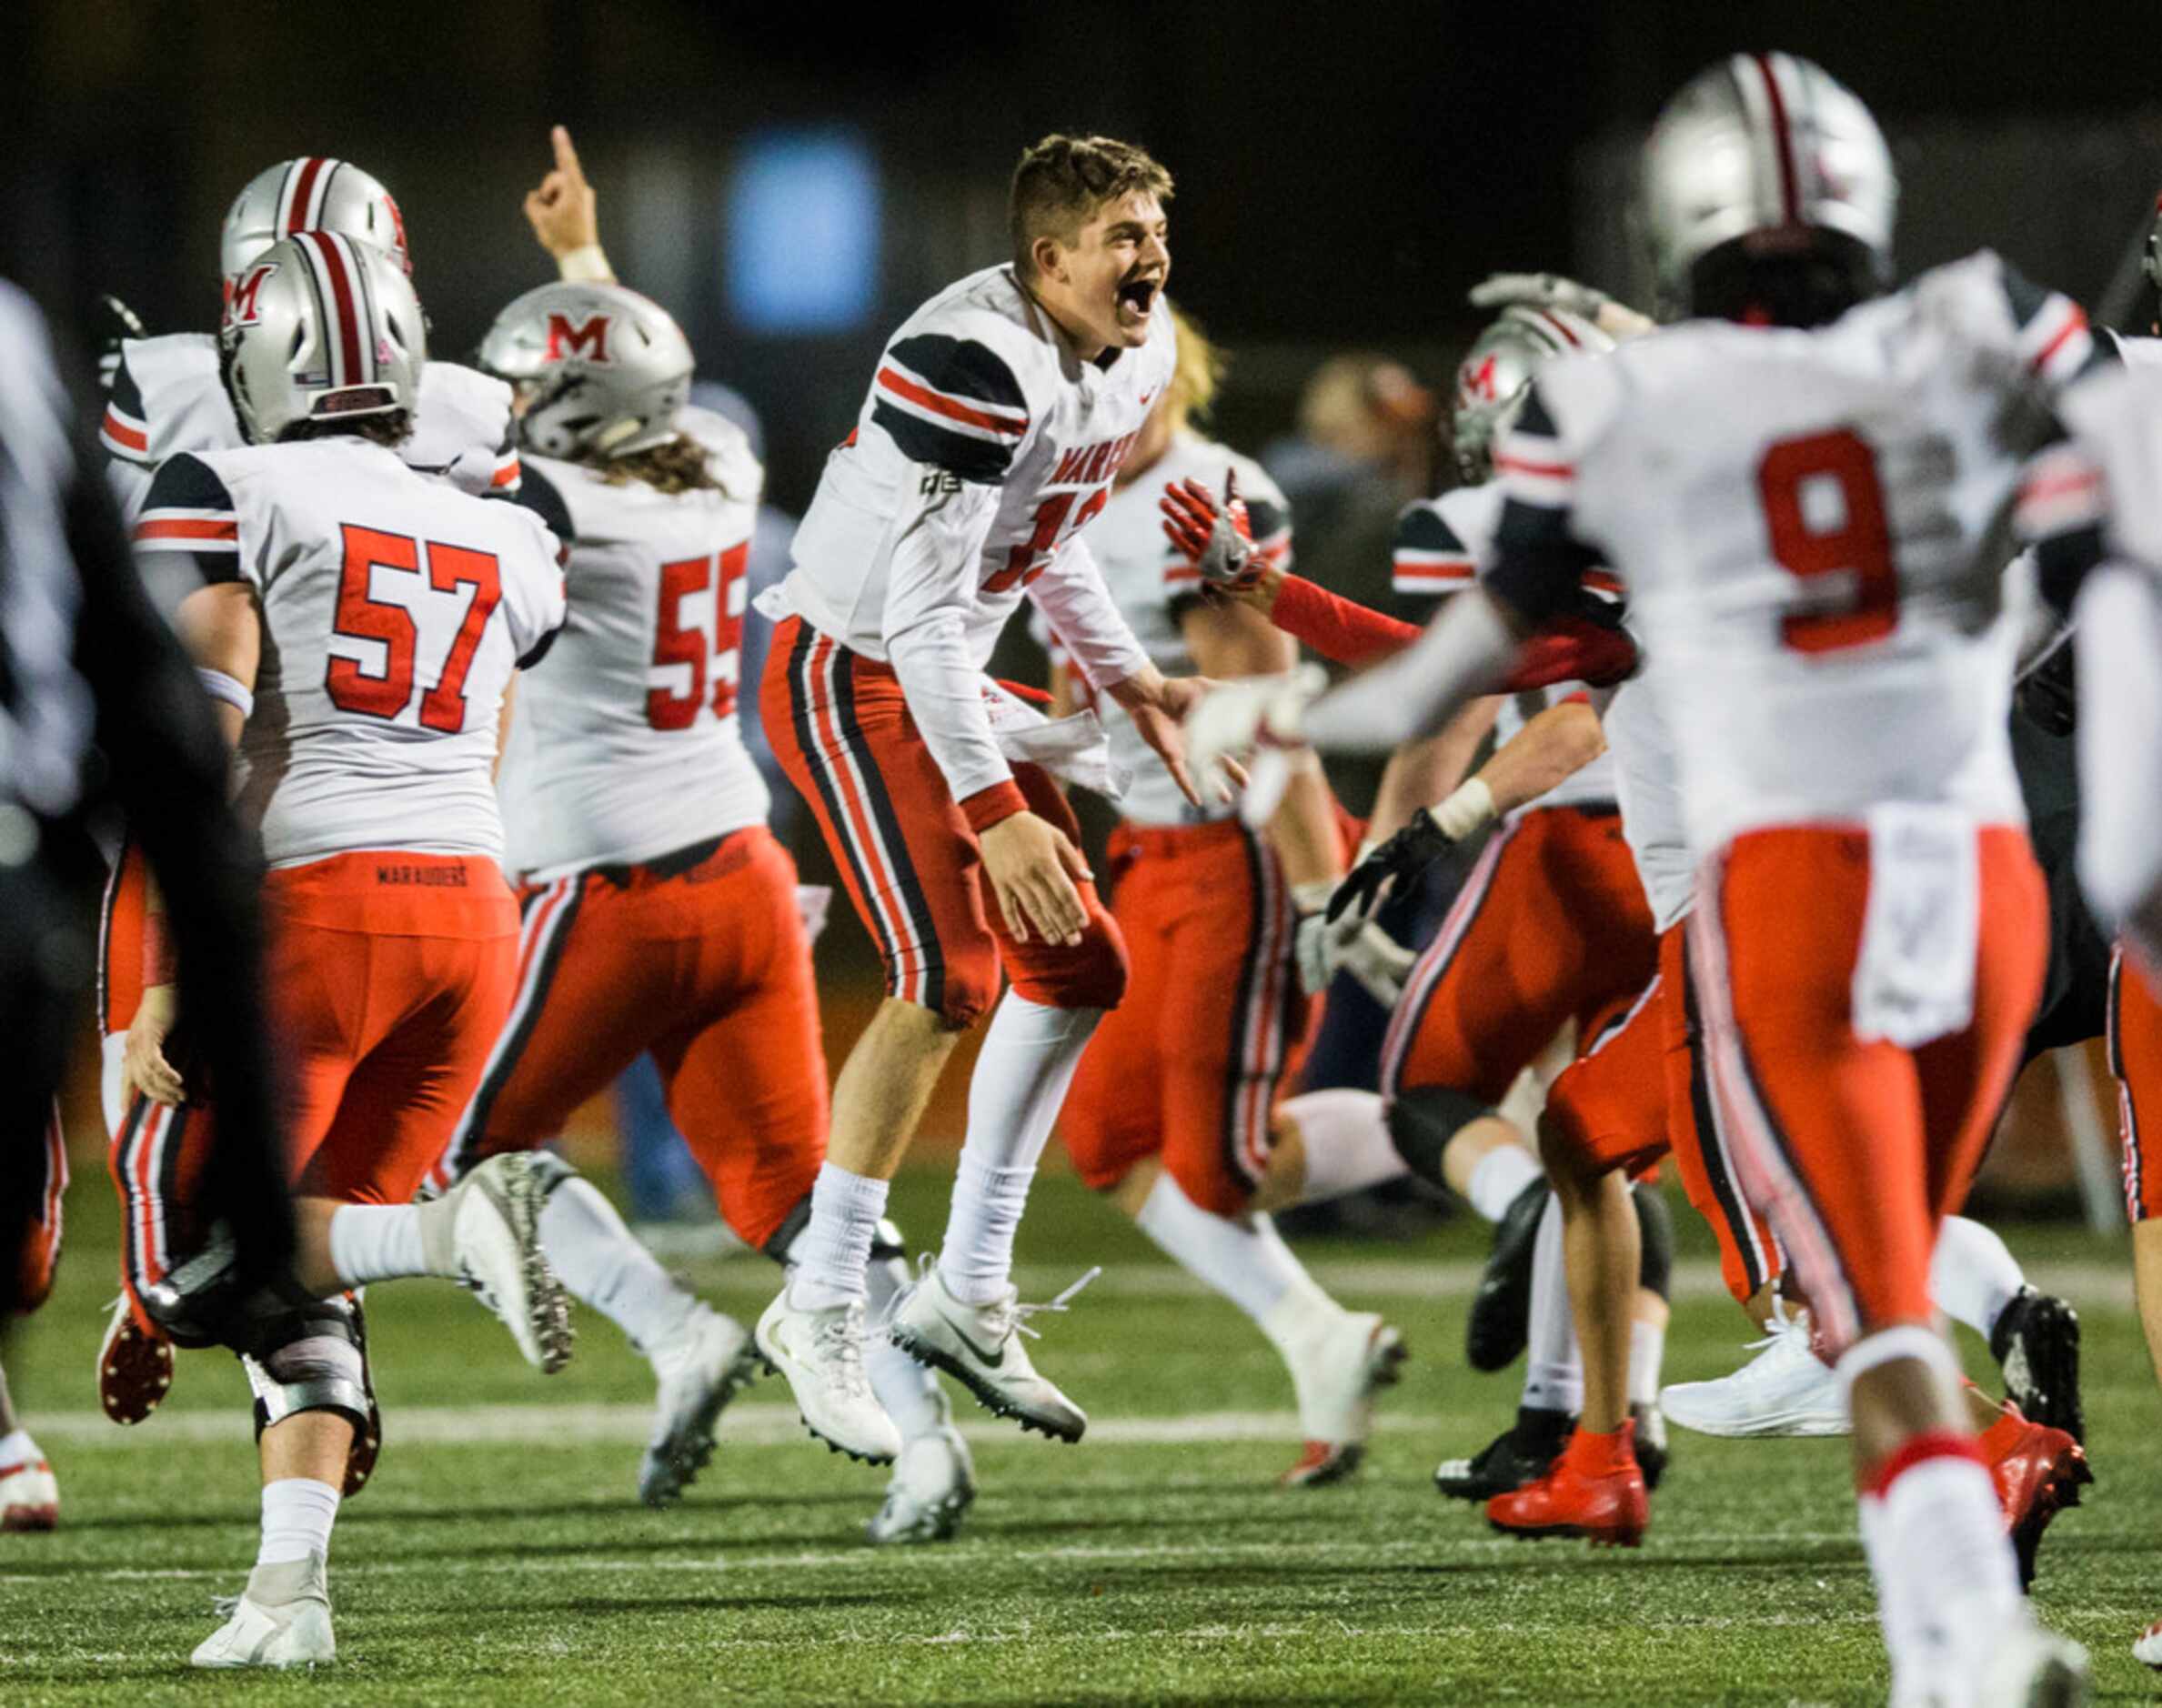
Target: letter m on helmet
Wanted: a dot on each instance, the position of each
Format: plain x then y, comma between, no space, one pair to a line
589,338
241,294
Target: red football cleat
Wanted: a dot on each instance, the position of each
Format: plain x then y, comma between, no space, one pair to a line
134,1367
1595,1491
2038,1473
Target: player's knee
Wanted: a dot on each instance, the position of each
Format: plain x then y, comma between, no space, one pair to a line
308,1361
1423,1119
966,991
1090,976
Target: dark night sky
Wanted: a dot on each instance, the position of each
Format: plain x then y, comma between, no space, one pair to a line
1345,171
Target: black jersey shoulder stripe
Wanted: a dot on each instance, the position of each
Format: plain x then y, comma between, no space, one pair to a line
981,461
1422,528
538,494
964,370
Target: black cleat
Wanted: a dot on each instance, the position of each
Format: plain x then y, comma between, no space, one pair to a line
1520,1454
1500,1314
1652,1449
2037,1341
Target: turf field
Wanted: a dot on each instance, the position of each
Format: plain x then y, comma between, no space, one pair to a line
500,1557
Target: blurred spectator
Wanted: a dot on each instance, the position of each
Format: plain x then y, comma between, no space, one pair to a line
1366,446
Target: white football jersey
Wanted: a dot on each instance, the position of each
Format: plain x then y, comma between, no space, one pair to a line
394,610
1801,518
1150,581
628,746
167,397
979,384
1444,545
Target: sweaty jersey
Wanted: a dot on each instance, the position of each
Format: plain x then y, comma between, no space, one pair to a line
1802,518
394,610
983,447
1445,544
167,398
1152,583
628,746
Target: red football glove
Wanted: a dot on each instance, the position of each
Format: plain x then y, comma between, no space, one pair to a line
1216,538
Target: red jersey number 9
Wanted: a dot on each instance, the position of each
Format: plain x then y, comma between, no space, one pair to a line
441,568
1858,544
690,648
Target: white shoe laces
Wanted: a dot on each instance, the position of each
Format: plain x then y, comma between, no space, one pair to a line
838,1341
1019,1314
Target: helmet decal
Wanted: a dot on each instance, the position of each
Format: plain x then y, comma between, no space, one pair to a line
589,339
242,299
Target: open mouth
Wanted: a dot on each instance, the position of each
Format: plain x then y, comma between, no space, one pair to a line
1137,297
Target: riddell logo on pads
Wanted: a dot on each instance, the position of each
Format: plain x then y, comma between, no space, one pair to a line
589,338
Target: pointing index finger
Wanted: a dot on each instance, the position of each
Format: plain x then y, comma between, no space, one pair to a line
567,156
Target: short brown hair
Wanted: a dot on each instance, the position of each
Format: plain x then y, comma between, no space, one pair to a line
1062,181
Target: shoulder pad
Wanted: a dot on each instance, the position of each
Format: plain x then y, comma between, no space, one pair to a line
952,401
462,430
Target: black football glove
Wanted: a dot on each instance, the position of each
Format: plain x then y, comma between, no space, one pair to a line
1402,857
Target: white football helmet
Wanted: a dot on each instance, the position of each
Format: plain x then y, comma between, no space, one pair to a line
1496,372
601,371
321,327
310,194
1769,147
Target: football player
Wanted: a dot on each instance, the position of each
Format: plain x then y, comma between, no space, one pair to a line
167,396
29,1494
1172,1111
996,421
1521,953
662,914
360,624
1829,646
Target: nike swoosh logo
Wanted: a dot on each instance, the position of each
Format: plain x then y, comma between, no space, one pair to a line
990,1358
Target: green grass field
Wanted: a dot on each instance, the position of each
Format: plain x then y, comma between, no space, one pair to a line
500,1557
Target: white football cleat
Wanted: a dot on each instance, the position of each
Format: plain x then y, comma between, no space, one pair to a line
1784,1390
821,1354
701,1369
497,1242
282,1619
934,1482
1336,1373
2148,1649
134,1369
979,1346
2029,1667
29,1494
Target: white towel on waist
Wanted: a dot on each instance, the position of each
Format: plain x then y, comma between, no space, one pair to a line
1914,977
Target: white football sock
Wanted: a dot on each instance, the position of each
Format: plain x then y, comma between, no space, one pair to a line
378,1242
1647,1352
297,1514
1553,1369
1027,1061
909,1391
1950,1565
1499,1176
17,1448
1973,1275
1243,1260
827,1259
1345,1137
1908,1648
600,1259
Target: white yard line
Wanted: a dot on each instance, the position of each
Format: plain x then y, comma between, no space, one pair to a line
1289,1549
